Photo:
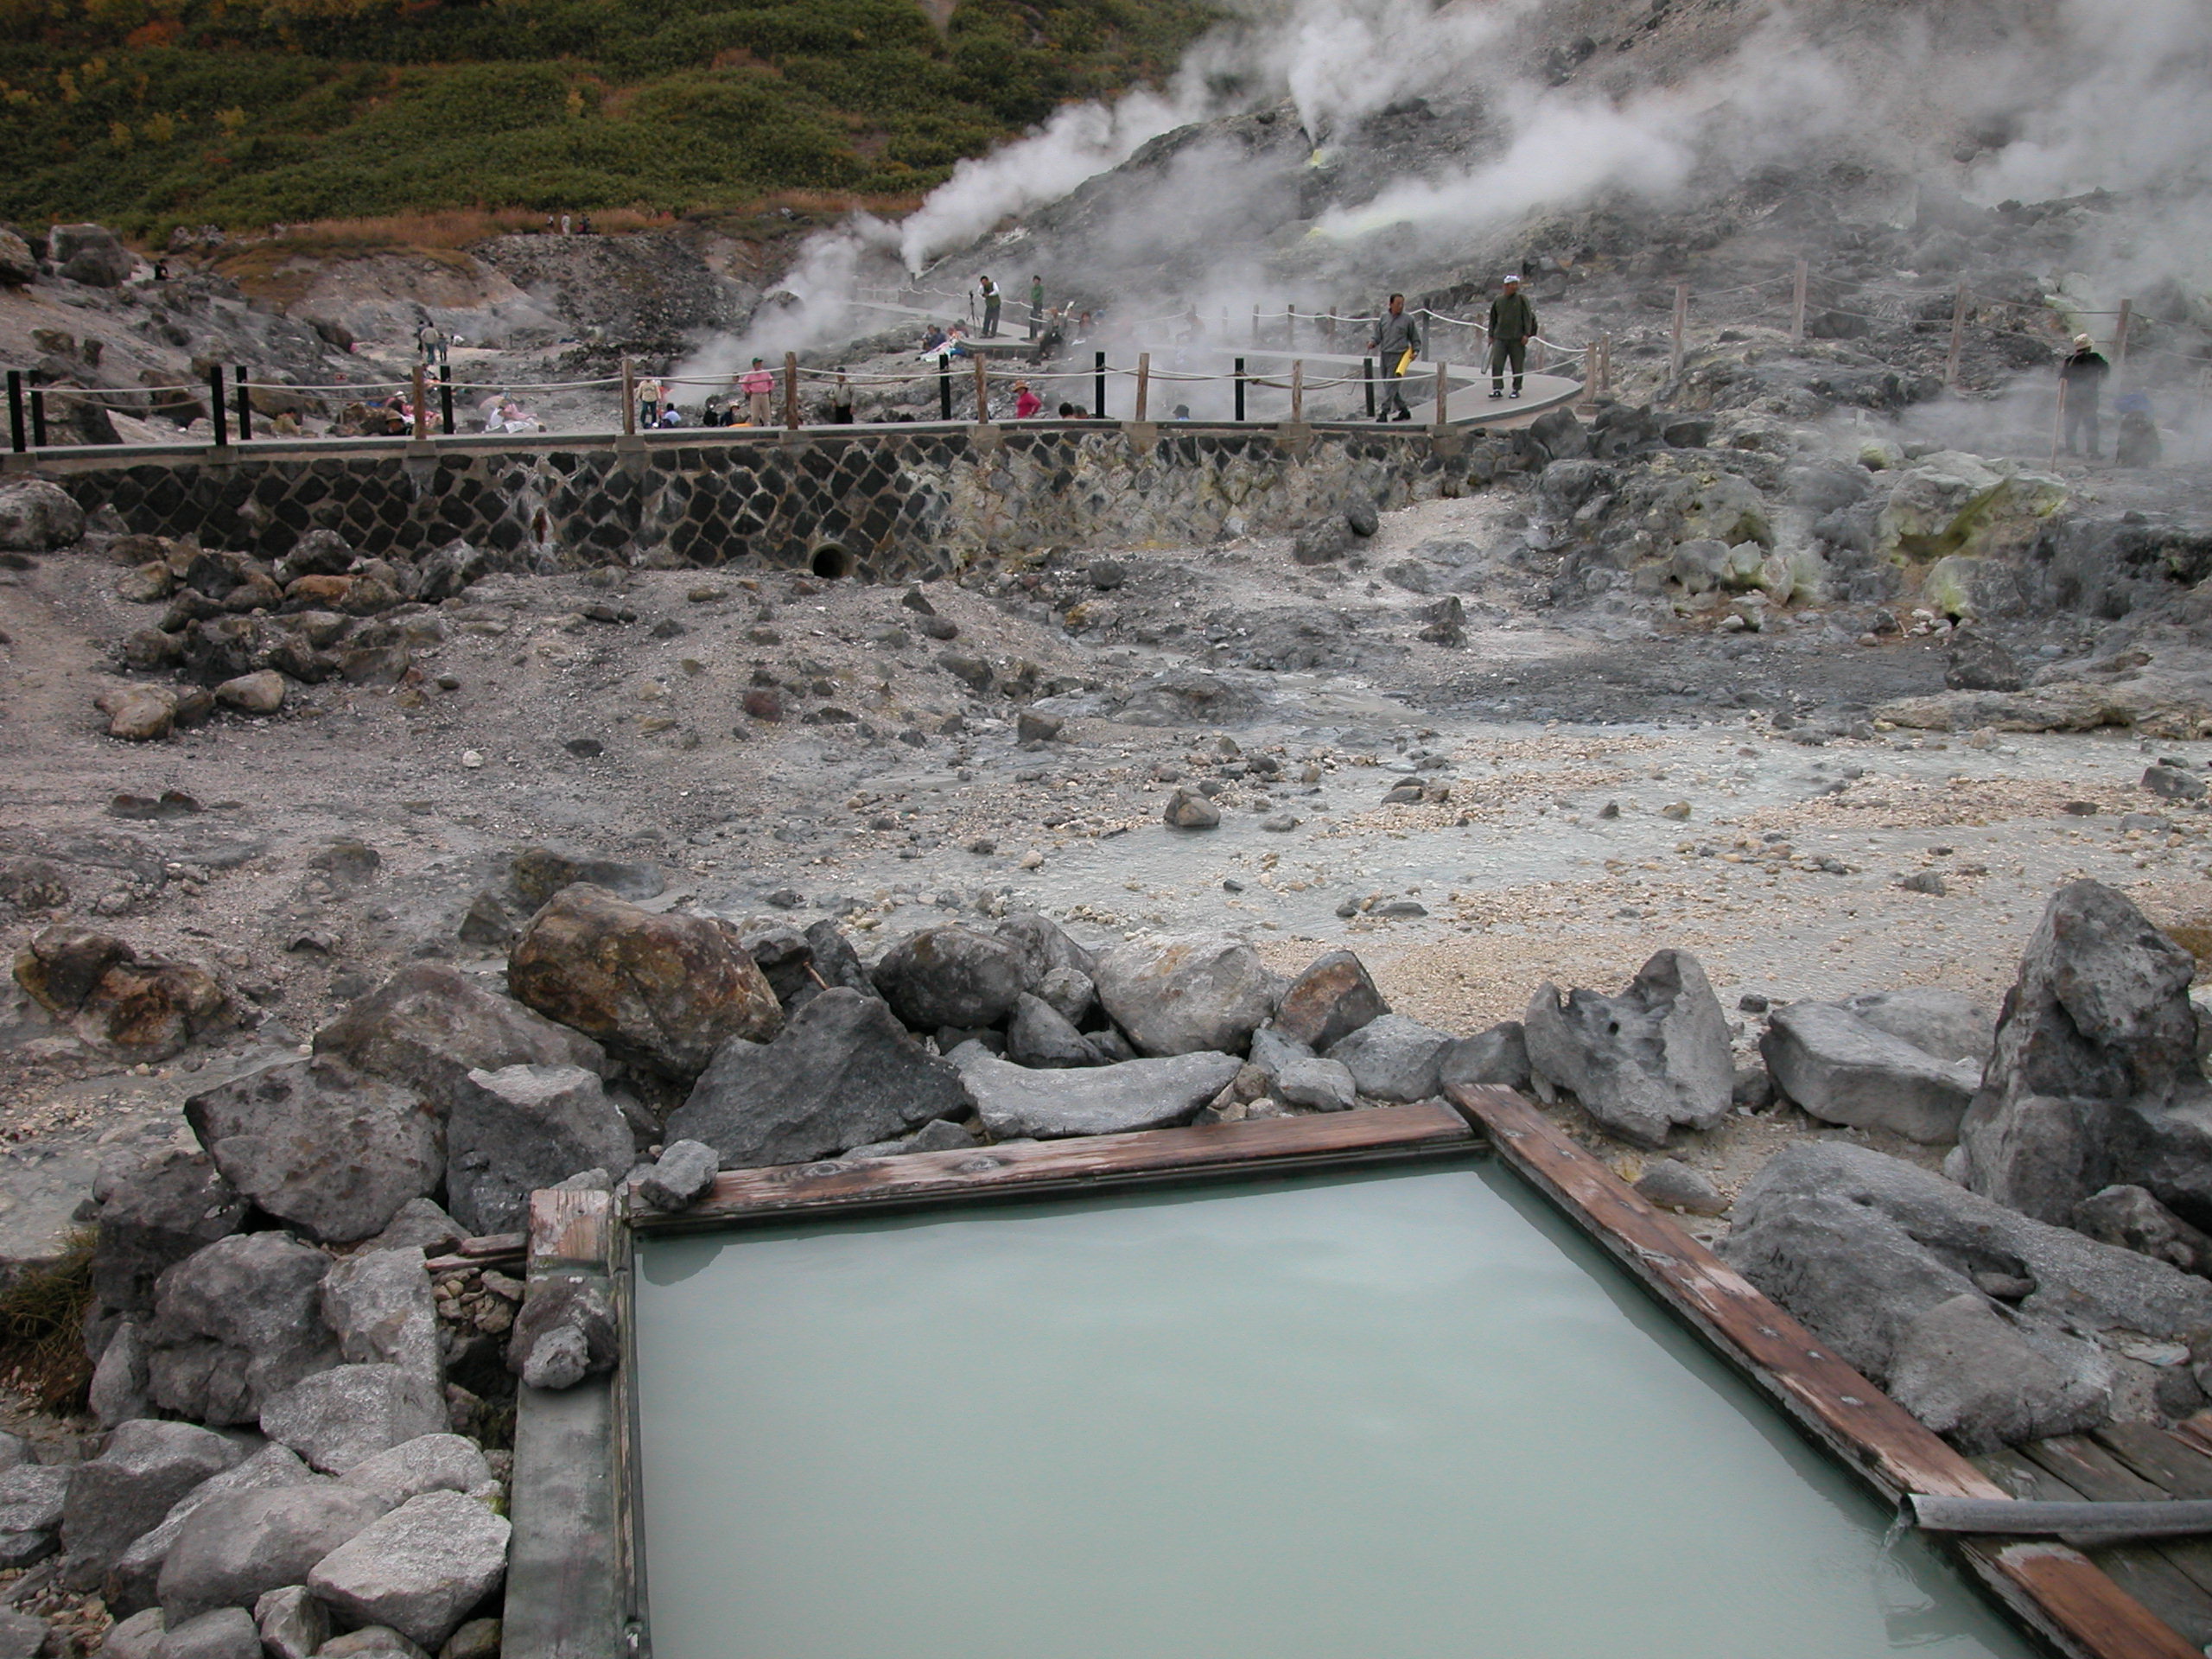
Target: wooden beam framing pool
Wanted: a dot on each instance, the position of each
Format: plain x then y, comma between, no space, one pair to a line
2057,1591
575,1588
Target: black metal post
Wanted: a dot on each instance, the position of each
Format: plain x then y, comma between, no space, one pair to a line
945,386
38,418
1098,386
215,403
239,382
1240,388
1367,373
18,440
445,395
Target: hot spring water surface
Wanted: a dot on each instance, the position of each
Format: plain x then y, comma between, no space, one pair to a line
1406,1414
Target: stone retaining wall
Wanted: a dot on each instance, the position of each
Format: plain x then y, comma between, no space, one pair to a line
882,504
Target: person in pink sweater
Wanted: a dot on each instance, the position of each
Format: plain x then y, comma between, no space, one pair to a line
759,385
1025,402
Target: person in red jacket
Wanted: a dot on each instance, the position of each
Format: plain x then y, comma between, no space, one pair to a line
1025,402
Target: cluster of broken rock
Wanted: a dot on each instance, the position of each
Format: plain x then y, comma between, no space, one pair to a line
291,1387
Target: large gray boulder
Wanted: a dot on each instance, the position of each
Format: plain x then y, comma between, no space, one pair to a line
38,516
1054,966
952,976
1334,998
842,1073
125,1491
2093,1079
1039,1035
236,1323
1842,1070
119,1390
1949,1025
419,1569
1393,1058
342,1417
522,1128
225,1633
292,1623
235,1549
320,1145
428,1027
664,989
430,1463
1149,1094
132,1582
32,1496
381,1306
1859,1246
1970,1369
1192,995
1656,1056
1499,1055
155,1211
2130,1216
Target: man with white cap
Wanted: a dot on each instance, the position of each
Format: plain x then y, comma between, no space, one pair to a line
1512,326
2082,379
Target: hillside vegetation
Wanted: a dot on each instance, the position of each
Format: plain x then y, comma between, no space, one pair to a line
151,113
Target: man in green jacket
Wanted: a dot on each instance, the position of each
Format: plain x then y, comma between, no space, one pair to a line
1512,326
1036,306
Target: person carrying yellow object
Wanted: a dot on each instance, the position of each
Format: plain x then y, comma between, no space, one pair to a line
1512,326
1397,341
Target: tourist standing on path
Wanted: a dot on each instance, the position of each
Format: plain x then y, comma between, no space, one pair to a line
1512,326
989,290
1036,306
1397,342
648,401
759,385
2081,377
433,342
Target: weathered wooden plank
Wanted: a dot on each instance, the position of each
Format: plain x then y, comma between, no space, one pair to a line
2196,1431
1084,1161
2091,1470
2161,1458
1863,1425
2052,1587
2129,1564
2140,1609
570,1227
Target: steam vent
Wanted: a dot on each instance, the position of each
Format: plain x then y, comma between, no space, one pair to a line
990,830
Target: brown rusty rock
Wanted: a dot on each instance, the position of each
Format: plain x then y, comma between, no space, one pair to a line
1334,998
667,990
60,966
319,593
138,713
149,1008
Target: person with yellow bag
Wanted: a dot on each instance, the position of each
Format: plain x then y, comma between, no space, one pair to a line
1397,342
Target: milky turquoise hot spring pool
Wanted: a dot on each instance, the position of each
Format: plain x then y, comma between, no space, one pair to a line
1395,1414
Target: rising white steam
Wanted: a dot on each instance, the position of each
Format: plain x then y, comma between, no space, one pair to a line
1081,142
815,305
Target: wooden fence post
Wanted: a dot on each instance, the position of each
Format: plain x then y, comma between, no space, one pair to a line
1681,322
1144,384
982,389
1590,374
1298,393
421,408
1797,305
791,391
2119,340
1443,394
1958,338
238,385
629,398
18,440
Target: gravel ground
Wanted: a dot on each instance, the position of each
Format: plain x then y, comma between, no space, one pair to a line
1566,844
